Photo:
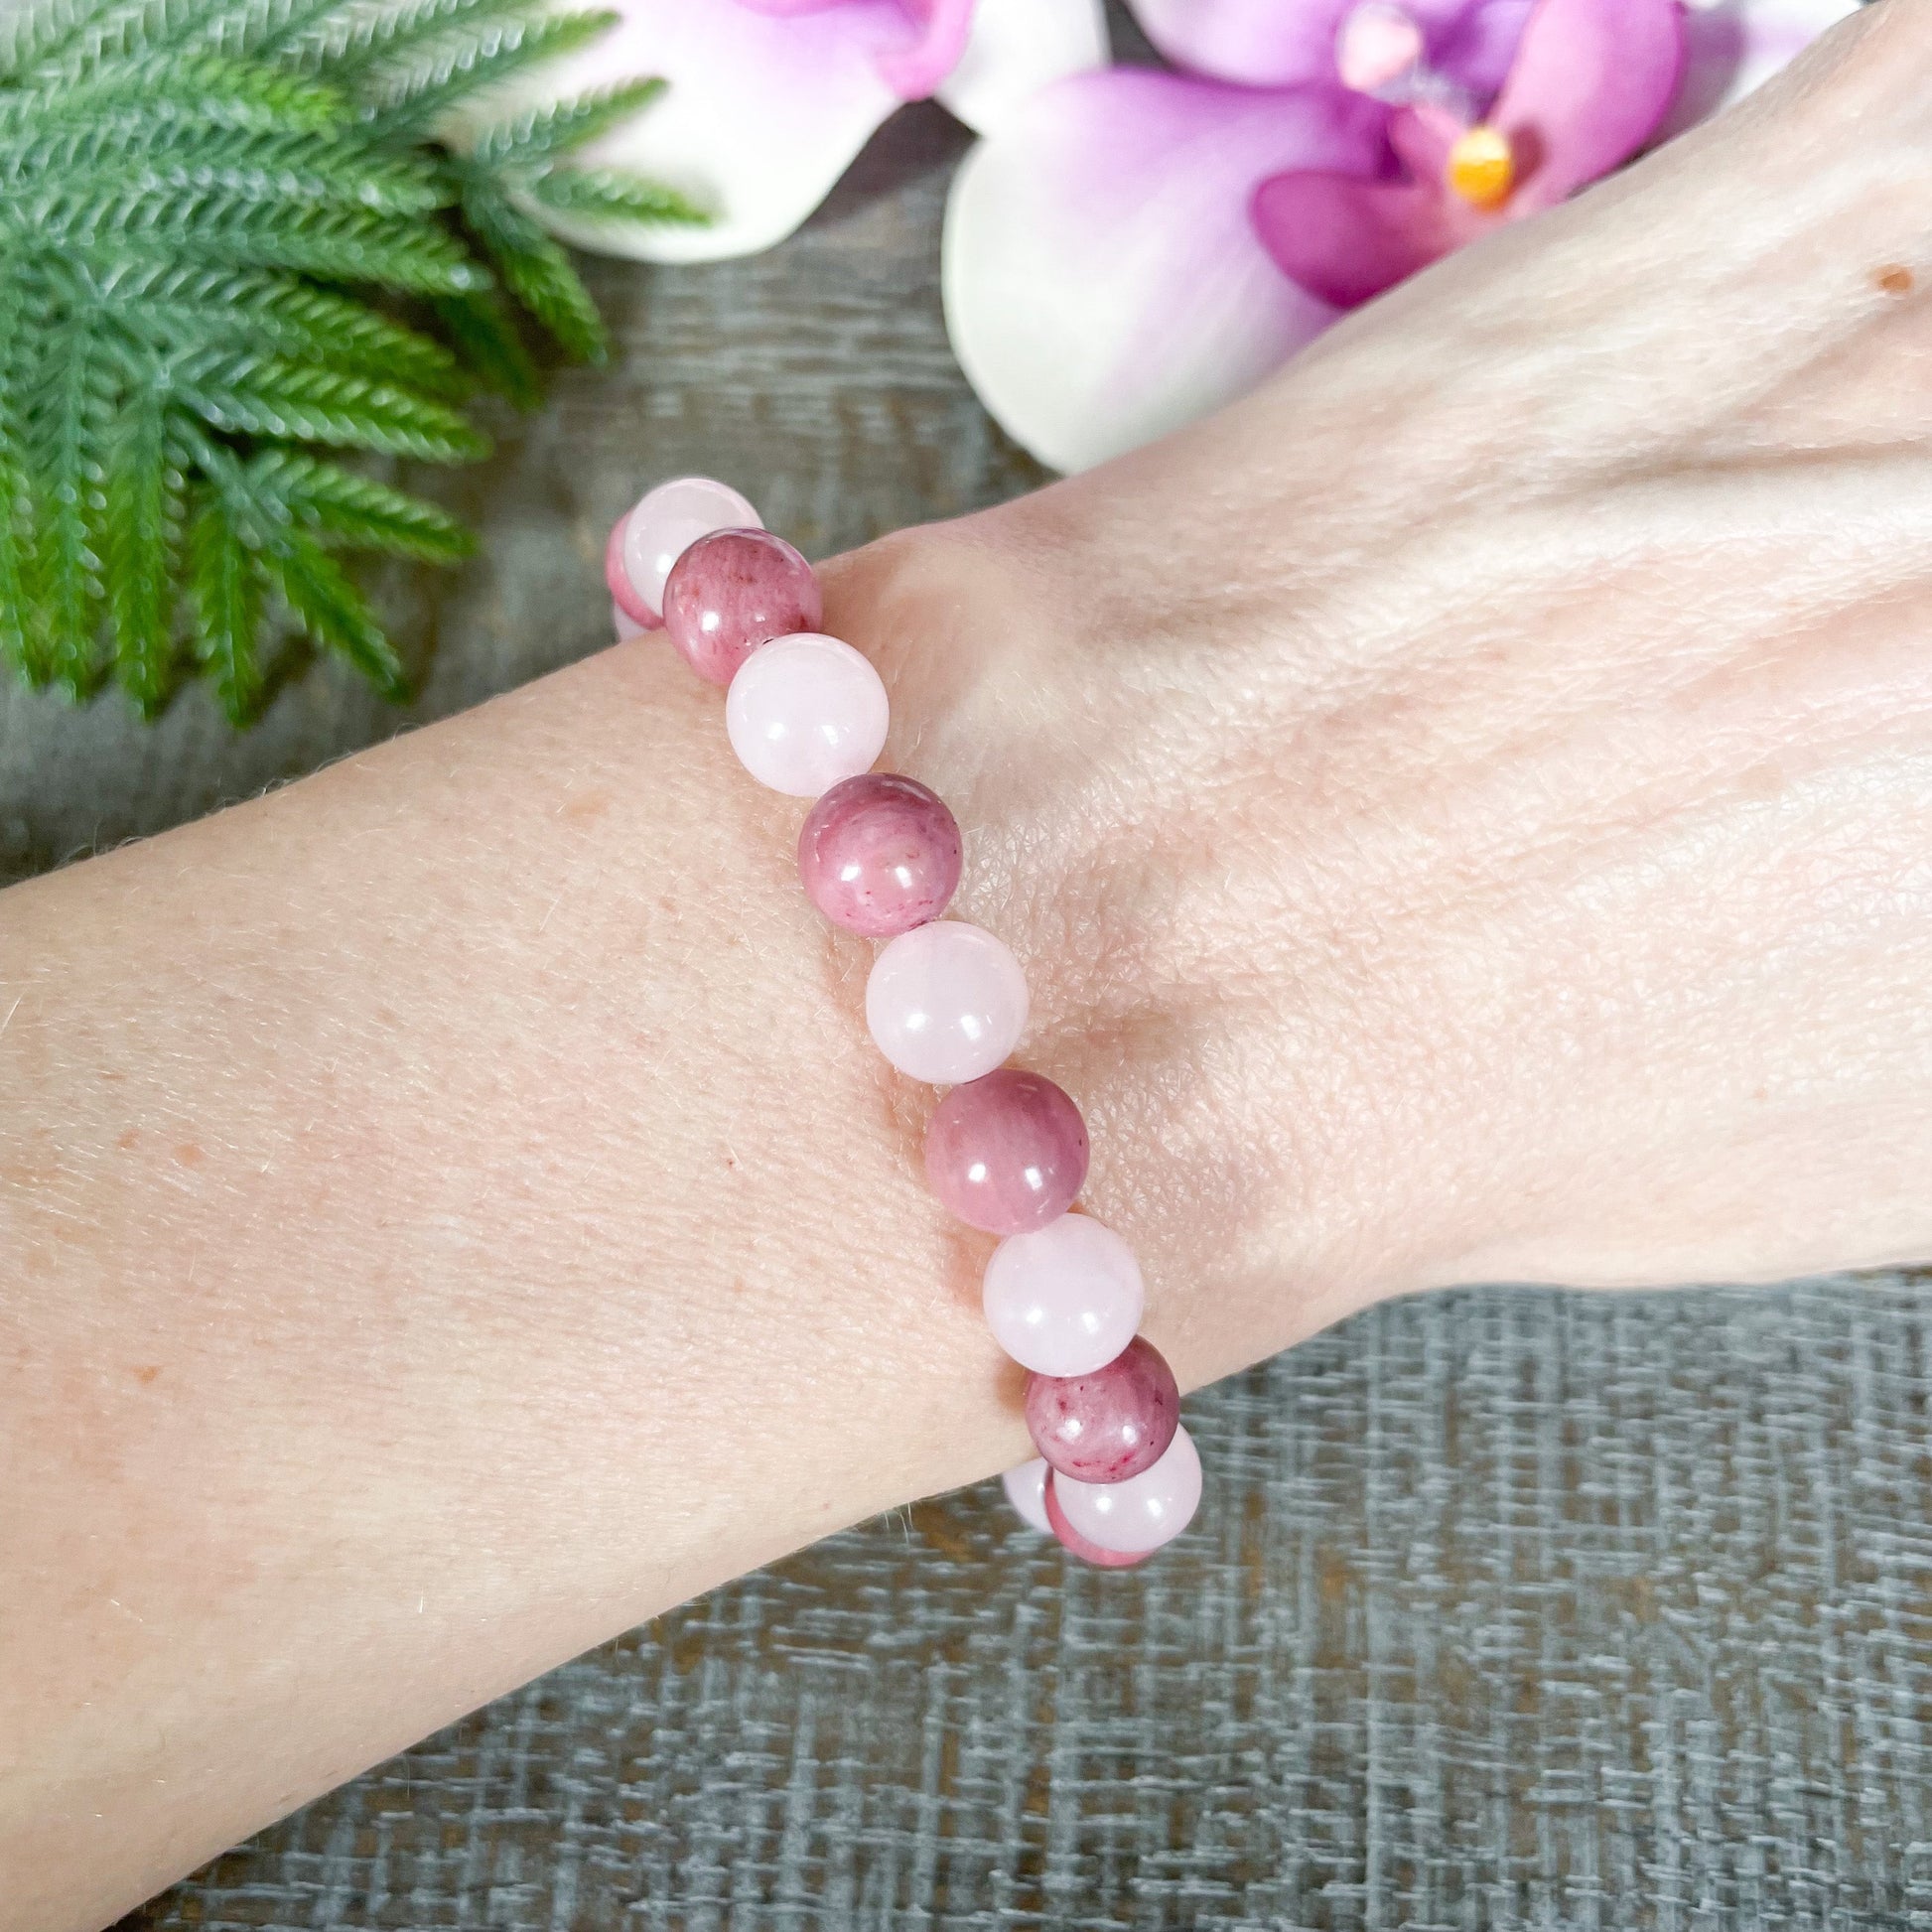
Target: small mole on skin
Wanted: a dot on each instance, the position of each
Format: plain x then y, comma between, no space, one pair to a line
132,1137
146,1375
189,1155
587,805
1895,278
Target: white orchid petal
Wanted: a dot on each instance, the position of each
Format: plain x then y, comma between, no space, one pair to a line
1103,281
762,116
1016,47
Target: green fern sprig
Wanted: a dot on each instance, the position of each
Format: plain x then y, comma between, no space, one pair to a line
236,234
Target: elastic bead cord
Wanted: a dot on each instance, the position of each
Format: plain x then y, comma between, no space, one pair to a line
946,1002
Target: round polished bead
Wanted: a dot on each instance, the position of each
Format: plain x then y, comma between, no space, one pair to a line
880,855
1066,1299
804,712
1026,1489
624,593
666,522
730,591
1077,1545
1007,1153
1111,1423
1142,1513
945,1002
625,624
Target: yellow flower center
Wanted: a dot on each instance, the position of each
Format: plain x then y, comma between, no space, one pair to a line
1481,168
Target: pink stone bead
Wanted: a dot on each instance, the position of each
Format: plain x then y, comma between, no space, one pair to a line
624,593
1026,1489
880,855
804,712
1138,1515
945,1002
1007,1153
625,624
1066,1299
1109,1424
1077,1545
666,522
730,591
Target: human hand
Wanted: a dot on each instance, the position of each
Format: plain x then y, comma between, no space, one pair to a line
1467,812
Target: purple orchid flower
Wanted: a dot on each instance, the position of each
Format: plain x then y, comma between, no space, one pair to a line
1589,84
769,100
1133,248
914,54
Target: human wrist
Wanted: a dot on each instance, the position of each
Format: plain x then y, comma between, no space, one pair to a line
1232,1138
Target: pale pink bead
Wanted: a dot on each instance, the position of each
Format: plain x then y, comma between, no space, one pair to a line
804,712
1064,1301
626,625
1142,1513
666,522
1026,1489
624,593
945,1002
1077,1545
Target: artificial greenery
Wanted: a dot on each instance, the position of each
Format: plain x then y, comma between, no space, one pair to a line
233,234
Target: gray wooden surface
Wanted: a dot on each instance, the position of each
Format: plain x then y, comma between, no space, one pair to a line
1507,1608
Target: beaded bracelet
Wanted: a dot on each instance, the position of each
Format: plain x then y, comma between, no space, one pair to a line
946,1002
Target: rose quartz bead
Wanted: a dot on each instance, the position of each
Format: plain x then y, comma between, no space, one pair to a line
945,1002
1007,1153
1109,1424
880,855
1026,1489
665,523
1066,1299
1077,1545
1142,1513
732,589
625,624
804,712
624,593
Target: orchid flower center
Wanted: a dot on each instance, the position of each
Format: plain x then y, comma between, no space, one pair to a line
1482,169
1378,50
1381,51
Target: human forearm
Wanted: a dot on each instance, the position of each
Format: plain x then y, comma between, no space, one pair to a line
453,1214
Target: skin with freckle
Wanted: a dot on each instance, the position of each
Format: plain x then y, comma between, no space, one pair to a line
1464,813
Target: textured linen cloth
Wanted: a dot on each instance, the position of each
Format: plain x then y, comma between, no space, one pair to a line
1505,1607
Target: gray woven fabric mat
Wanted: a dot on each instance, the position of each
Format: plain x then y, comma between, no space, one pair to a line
1507,1608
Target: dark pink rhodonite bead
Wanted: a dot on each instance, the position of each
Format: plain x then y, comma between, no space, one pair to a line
880,854
1077,1545
1111,1423
733,590
1007,1153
